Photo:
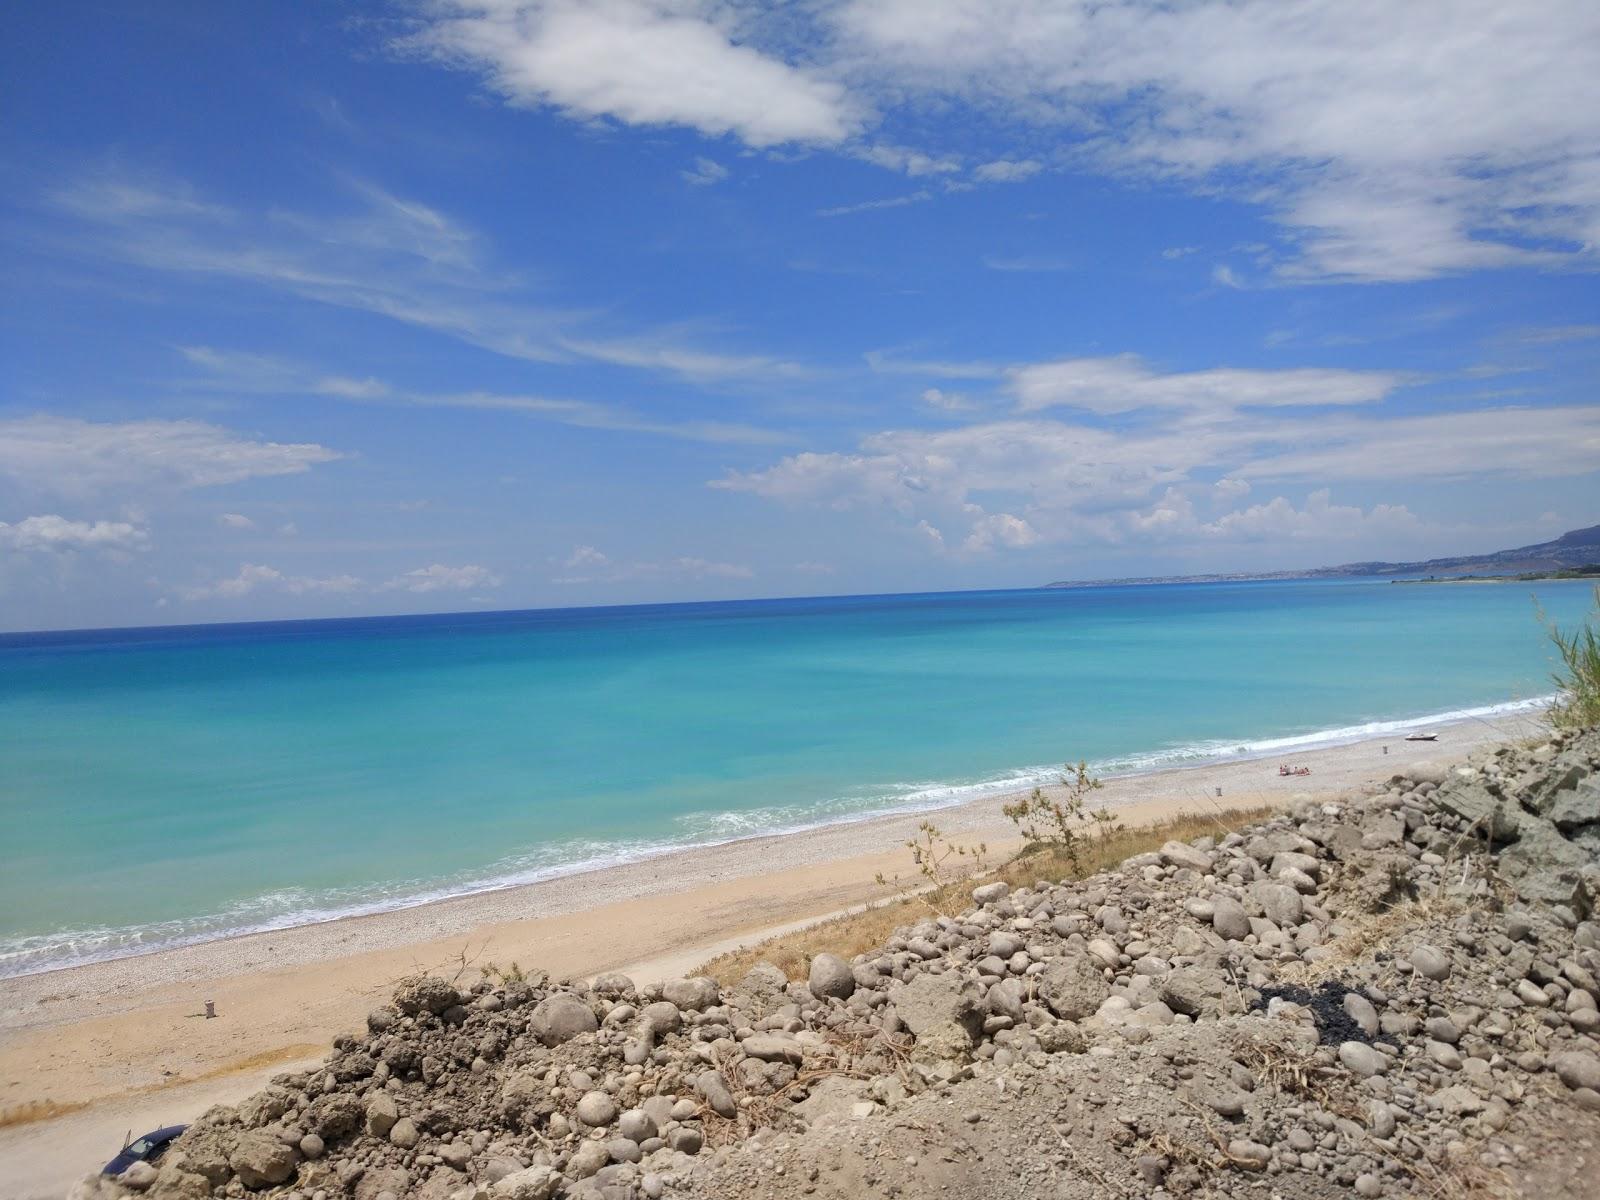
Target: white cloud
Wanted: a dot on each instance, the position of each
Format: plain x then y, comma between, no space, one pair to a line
1004,170
947,401
1393,141
252,372
235,521
814,568
253,577
1319,520
1000,529
56,533
845,210
1075,483
706,172
1124,384
440,578
643,62
69,456
1027,262
392,256
597,567
909,162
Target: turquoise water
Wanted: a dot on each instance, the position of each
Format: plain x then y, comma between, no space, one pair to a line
171,785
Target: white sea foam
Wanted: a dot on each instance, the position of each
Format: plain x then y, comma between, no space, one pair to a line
36,953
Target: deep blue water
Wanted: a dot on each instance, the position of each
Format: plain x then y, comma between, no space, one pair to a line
166,785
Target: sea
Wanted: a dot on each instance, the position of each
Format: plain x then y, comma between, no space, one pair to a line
166,786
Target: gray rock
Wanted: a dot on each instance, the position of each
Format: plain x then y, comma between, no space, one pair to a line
773,1047
405,1133
1197,991
260,1160
1229,919
1252,1156
425,993
455,1155
695,994
714,1088
588,1159
1362,1060
1281,903
637,1125
831,977
1576,807
530,1183
1181,854
613,984
312,1146
1578,1069
1073,987
1359,1009
382,1113
596,1109
686,1139
139,1177
990,893
660,1018
622,1150
1430,962
560,1018
943,1012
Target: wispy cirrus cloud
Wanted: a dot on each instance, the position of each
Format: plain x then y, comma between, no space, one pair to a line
256,372
392,256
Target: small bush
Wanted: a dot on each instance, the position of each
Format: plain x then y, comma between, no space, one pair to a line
1579,703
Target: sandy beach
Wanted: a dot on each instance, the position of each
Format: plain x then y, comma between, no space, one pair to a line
90,1052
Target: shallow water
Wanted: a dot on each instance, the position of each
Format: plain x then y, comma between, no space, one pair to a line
172,785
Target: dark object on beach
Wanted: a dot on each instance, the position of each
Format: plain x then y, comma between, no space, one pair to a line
146,1149
1422,737
1287,770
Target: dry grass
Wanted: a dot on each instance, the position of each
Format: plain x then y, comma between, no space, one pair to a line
1369,934
30,1111
859,932
37,1110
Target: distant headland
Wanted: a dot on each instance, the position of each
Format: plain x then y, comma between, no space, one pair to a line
1573,555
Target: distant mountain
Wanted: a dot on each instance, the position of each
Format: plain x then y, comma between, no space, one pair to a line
1577,548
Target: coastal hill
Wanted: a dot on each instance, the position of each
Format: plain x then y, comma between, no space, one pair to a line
1575,548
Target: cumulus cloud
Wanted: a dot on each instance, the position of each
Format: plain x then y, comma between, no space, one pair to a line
235,521
69,456
1020,482
643,62
56,533
441,578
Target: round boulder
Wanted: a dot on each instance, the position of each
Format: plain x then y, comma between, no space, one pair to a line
831,977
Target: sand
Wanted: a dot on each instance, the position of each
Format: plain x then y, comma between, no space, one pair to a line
123,1045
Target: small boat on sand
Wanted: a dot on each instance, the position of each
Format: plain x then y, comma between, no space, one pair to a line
1422,737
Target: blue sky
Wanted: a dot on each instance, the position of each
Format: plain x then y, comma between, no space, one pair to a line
329,309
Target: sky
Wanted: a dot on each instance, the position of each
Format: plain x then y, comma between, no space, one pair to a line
330,309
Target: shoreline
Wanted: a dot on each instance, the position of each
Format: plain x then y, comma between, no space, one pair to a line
1196,757
88,1053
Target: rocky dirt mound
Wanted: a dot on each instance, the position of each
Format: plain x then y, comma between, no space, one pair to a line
1391,995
